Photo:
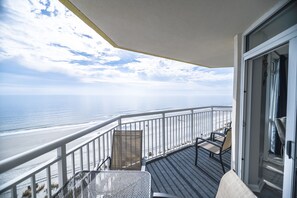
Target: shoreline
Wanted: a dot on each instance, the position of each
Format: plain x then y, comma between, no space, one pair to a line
15,143
44,128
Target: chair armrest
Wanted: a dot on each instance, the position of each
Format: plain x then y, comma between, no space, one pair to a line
218,133
208,141
214,143
199,138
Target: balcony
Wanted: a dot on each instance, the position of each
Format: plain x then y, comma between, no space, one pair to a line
168,137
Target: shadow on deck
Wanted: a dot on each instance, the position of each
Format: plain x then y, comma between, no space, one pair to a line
177,174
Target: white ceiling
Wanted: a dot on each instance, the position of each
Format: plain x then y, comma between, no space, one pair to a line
195,31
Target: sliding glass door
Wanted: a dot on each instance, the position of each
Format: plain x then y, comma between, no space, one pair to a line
290,157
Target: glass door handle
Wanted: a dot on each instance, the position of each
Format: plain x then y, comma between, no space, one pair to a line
290,149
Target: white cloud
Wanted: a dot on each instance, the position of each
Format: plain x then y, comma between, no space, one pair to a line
168,69
62,43
36,39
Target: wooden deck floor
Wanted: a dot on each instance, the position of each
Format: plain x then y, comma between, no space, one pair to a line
177,174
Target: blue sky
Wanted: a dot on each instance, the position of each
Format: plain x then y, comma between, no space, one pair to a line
45,49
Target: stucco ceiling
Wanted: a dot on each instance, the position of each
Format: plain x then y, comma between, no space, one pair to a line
194,31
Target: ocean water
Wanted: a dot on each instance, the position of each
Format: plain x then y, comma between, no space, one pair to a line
23,112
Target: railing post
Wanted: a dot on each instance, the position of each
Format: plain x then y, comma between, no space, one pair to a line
163,133
192,126
13,192
62,166
120,123
211,122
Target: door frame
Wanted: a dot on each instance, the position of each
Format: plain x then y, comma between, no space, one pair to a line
289,187
287,36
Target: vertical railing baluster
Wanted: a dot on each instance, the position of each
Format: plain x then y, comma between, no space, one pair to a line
211,120
73,163
176,132
152,132
88,156
94,154
192,126
62,164
148,138
13,192
108,135
220,121
103,144
156,137
171,133
48,181
165,122
33,186
81,158
159,130
99,150
180,131
163,134
143,136
205,124
215,119
184,129
194,115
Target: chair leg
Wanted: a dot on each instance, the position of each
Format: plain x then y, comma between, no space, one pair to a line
222,163
210,154
196,155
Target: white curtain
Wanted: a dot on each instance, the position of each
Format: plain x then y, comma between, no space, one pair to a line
274,93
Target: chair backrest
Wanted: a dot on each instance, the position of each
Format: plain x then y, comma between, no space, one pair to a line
231,186
280,124
126,150
228,139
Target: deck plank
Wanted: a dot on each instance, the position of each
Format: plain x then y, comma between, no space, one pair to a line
177,174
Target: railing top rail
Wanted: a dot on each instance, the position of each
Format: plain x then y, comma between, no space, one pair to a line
170,111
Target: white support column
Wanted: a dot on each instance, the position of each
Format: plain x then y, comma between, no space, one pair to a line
236,102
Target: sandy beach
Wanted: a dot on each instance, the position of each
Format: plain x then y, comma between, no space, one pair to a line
12,144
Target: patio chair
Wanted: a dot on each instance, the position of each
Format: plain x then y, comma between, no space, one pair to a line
213,146
231,186
126,151
218,137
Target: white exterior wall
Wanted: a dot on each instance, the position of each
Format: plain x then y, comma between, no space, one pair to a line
235,158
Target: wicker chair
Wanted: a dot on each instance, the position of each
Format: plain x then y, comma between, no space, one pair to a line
214,146
126,151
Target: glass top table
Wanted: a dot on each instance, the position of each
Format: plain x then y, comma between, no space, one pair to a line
111,183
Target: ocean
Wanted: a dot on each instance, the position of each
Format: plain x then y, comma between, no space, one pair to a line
22,113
